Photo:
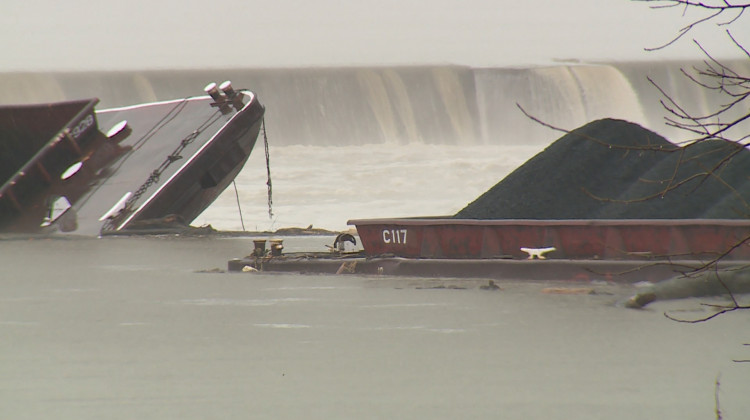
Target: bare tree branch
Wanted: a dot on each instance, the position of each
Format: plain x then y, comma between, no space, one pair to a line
727,122
648,146
721,309
715,10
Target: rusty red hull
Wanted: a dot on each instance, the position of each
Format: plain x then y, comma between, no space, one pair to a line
572,239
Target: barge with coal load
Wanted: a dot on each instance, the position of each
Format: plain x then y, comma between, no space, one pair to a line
610,201
67,167
627,251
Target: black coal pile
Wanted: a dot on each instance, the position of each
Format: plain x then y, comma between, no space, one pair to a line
614,169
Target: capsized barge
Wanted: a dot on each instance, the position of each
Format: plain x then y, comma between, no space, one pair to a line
578,250
67,167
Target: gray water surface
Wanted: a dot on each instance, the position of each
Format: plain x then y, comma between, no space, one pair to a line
124,328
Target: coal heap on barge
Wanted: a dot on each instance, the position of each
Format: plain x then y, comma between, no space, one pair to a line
613,169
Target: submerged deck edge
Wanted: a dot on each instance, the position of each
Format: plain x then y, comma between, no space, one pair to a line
625,271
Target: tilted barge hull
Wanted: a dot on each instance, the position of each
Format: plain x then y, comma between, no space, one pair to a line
625,251
70,168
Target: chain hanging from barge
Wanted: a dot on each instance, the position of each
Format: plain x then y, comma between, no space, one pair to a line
268,170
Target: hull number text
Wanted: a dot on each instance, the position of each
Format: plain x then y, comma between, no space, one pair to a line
82,126
394,236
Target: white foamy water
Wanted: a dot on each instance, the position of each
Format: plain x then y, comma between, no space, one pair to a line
326,186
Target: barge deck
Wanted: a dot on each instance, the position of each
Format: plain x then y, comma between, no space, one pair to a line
627,251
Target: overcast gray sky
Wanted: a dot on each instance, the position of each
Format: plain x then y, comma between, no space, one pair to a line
42,35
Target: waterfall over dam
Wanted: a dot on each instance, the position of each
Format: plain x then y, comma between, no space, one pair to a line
397,105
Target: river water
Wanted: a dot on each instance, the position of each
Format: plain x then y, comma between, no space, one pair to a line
123,328
147,328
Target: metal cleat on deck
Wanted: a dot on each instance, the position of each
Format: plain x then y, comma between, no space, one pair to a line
538,253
